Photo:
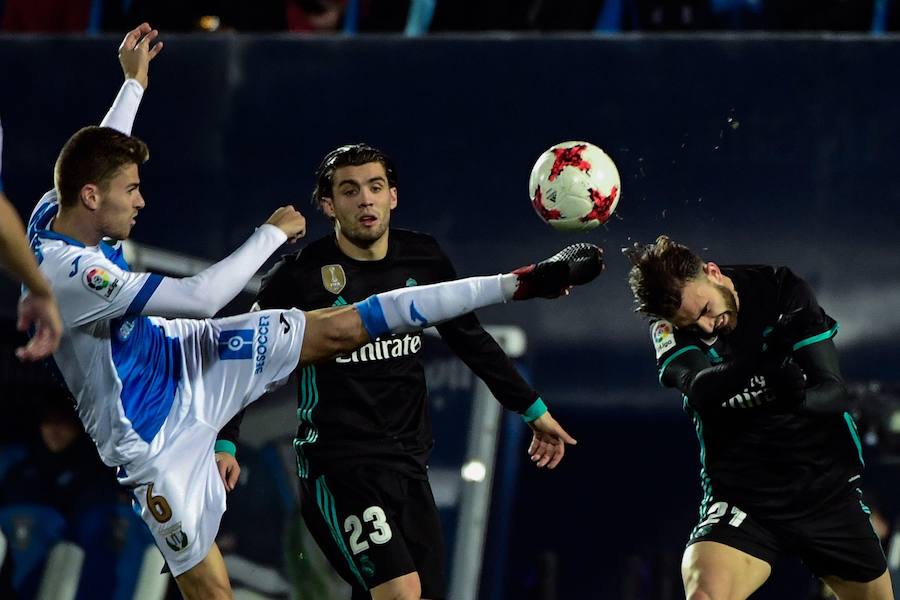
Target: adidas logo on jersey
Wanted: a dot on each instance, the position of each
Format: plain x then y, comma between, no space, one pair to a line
384,349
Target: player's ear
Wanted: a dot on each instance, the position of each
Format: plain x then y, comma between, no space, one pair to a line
90,196
327,206
713,272
393,192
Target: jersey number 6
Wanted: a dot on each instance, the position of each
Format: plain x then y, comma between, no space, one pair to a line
158,506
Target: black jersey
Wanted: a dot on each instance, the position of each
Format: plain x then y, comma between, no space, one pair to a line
370,405
764,459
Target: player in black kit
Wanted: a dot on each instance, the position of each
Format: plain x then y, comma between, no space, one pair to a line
752,353
364,435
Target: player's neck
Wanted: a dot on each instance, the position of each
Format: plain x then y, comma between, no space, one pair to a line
375,251
70,226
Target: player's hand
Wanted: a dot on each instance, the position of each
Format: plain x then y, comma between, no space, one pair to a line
229,470
42,312
548,444
290,221
136,52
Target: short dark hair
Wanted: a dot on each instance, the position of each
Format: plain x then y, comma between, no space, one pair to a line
658,274
94,155
351,155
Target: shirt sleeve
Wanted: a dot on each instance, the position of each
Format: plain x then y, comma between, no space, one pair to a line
124,108
207,292
482,354
95,288
669,344
804,322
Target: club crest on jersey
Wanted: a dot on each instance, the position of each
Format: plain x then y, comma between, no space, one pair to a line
176,538
663,337
333,278
101,282
236,344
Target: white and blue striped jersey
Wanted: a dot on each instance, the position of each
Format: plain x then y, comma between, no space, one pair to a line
151,388
125,354
121,367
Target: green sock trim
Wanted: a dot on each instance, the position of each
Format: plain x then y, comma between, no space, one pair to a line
534,411
225,446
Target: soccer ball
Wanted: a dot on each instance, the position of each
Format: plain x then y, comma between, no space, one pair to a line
574,186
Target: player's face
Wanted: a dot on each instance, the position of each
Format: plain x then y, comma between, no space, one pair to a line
361,203
708,306
120,203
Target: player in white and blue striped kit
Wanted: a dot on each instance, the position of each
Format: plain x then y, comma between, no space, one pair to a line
154,377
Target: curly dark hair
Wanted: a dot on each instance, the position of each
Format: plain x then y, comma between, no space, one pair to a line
659,272
94,155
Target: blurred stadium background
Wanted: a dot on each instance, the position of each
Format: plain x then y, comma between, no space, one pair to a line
756,131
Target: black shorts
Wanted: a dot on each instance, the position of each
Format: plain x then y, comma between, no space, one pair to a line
836,539
374,525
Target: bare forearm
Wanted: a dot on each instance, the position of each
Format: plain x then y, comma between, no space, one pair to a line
15,253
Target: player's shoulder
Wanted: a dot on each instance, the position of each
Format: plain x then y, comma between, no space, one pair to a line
323,249
793,291
54,250
667,339
662,333
295,266
70,266
752,274
786,277
44,211
409,241
412,236
311,253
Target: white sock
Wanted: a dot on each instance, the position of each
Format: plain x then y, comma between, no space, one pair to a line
414,308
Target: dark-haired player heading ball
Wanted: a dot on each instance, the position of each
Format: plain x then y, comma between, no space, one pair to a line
751,351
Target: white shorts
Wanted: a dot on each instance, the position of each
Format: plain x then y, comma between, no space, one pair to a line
228,363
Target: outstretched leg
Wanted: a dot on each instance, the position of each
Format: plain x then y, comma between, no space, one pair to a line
334,331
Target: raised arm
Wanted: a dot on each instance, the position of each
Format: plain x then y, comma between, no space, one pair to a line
135,53
204,294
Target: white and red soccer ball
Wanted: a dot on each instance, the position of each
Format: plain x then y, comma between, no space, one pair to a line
574,186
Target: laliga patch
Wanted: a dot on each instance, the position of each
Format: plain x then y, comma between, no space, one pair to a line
333,278
663,337
101,282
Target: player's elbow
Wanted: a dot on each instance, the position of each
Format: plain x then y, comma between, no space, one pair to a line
199,309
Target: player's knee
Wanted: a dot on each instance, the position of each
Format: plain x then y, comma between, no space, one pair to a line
695,588
407,587
349,331
205,590
338,332
205,583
